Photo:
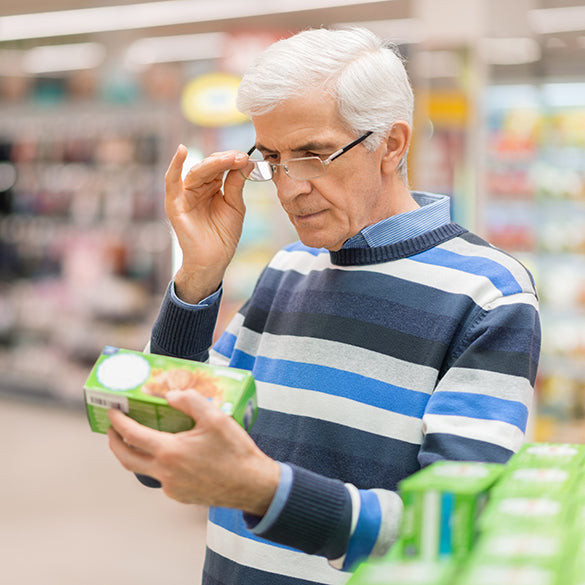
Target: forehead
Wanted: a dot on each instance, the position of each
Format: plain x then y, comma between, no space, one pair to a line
295,122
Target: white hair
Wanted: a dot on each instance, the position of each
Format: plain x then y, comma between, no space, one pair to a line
365,75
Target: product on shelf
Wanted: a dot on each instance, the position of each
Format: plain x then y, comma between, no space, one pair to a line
442,504
84,252
404,572
530,531
534,205
484,572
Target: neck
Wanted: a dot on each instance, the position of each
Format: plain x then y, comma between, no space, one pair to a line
398,199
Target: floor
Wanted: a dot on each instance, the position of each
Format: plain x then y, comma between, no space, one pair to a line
71,515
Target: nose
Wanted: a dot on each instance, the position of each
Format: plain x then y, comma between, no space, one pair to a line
288,189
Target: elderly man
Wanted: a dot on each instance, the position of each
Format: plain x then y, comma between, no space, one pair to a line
387,338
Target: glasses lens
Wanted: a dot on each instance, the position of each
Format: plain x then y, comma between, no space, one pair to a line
310,167
260,171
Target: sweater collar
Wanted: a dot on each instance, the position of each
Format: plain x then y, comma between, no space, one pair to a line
398,250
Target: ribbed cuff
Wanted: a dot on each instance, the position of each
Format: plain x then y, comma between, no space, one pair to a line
182,332
316,517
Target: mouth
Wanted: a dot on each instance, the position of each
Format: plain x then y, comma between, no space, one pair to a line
302,217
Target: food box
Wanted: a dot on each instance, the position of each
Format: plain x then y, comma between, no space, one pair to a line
136,383
442,503
483,572
565,455
403,572
539,548
516,513
534,481
577,566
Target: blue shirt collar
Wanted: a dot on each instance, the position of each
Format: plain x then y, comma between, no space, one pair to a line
434,212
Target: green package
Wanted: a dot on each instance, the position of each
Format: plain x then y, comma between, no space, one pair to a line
541,548
483,572
565,455
403,572
577,566
137,383
442,503
517,513
534,481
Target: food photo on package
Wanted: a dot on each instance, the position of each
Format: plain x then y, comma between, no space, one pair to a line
136,383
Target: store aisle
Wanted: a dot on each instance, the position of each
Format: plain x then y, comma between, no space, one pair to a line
70,515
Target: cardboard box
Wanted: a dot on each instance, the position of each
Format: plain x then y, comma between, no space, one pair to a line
442,504
136,383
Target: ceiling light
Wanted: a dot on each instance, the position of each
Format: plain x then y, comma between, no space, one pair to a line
510,51
70,57
553,20
437,64
398,30
151,14
175,48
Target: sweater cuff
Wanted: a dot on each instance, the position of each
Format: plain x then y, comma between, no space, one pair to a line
259,525
316,517
184,331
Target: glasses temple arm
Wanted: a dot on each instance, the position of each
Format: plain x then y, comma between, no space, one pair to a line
350,145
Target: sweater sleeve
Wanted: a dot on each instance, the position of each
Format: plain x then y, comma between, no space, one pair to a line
323,516
479,409
184,331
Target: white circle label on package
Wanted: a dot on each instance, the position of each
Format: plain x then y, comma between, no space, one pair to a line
122,372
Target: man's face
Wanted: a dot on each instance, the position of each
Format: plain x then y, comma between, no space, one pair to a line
350,196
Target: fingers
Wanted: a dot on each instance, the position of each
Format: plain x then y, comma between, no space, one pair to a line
134,434
192,403
213,168
130,458
173,175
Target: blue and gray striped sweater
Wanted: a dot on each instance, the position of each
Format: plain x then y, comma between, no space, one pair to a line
369,363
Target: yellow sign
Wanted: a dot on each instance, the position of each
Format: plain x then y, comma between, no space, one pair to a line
210,100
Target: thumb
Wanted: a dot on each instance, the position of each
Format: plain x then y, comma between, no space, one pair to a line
190,402
234,182
175,170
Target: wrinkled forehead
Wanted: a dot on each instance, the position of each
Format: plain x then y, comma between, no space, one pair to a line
308,122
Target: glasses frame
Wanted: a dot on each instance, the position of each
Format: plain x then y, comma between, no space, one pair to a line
324,162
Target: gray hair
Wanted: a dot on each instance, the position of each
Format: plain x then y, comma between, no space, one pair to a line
365,75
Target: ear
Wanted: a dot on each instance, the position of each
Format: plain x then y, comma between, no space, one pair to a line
397,143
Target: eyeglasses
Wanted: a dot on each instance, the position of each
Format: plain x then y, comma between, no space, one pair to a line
300,169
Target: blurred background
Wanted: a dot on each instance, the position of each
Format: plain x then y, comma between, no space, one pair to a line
94,99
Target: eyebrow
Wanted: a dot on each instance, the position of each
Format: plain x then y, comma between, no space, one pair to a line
308,146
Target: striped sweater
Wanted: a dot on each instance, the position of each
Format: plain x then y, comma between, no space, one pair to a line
369,363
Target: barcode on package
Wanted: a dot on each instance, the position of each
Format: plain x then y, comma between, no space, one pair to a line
106,400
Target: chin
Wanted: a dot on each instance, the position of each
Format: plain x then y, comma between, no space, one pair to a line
319,243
